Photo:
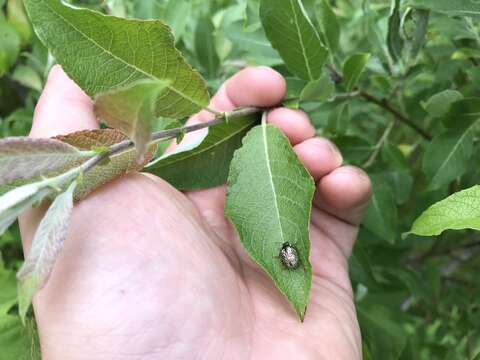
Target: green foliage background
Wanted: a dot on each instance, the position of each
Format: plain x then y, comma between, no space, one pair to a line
418,297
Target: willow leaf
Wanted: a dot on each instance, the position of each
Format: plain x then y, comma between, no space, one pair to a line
293,35
24,158
269,201
118,165
457,212
204,164
46,245
131,110
101,53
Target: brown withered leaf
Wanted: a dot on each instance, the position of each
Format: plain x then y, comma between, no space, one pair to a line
118,165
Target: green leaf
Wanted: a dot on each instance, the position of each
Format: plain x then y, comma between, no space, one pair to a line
448,156
394,37
131,110
46,245
177,14
269,201
463,113
205,46
466,54
205,163
25,158
458,211
101,53
354,149
449,7
381,216
416,41
17,18
338,122
318,90
28,77
9,46
8,295
254,45
329,24
353,68
382,330
293,35
439,104
17,341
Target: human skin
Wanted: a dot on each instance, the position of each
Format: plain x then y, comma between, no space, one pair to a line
149,272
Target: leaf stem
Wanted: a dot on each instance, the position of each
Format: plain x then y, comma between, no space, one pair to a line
383,103
213,111
173,133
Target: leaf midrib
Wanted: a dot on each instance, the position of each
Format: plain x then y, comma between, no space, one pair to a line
307,64
151,76
42,155
457,144
270,178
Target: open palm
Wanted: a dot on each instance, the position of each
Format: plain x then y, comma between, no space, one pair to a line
148,272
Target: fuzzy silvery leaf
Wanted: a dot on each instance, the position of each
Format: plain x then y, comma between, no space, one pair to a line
46,245
16,201
24,158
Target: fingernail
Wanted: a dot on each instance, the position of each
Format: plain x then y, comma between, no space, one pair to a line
336,152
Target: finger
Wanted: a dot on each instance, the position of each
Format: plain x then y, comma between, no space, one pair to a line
319,155
295,124
254,86
63,107
344,193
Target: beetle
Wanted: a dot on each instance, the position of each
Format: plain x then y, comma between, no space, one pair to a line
289,256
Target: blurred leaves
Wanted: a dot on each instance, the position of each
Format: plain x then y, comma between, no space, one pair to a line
46,246
329,25
448,156
353,68
394,37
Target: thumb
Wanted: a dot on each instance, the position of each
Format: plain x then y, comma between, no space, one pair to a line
63,108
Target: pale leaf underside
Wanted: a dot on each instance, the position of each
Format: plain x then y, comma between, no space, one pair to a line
24,158
46,246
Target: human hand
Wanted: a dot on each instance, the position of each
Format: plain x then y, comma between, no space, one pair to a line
148,272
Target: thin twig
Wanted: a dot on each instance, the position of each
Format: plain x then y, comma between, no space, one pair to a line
383,103
172,134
